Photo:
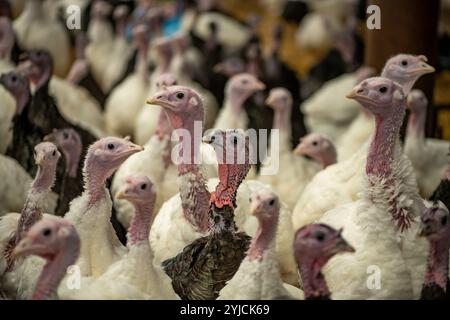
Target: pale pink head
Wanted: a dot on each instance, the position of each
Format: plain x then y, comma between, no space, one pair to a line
69,142
182,105
18,86
140,36
380,96
6,37
406,69
417,102
137,189
46,154
106,155
265,205
37,65
318,147
279,99
434,222
48,238
243,85
319,242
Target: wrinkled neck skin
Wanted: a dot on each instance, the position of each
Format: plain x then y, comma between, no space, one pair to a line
263,239
282,119
55,270
94,181
140,224
193,190
33,208
437,266
230,177
314,284
416,124
327,159
382,147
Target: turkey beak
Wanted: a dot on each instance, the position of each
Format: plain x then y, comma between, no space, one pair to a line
160,100
24,247
353,94
300,150
121,194
39,158
270,100
424,68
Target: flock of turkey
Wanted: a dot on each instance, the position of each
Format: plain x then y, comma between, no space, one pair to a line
349,198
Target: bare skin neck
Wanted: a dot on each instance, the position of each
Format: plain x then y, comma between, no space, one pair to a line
140,225
314,284
94,181
235,101
416,124
263,238
282,118
54,271
72,158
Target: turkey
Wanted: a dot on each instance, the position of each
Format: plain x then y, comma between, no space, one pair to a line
91,211
56,241
183,218
293,172
442,192
314,245
341,183
203,267
435,227
33,29
238,89
69,143
125,101
387,208
258,276
134,276
429,169
18,278
152,162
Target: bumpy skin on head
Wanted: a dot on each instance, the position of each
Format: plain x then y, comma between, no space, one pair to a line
318,147
314,245
405,69
103,158
435,226
55,240
37,66
241,86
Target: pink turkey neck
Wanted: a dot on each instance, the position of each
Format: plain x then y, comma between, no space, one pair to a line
314,284
140,224
32,211
236,101
55,270
195,196
416,124
437,266
94,179
327,159
22,100
263,238
381,157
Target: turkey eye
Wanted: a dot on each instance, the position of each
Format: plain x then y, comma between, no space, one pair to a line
272,202
54,153
404,63
250,200
235,140
180,95
65,135
13,78
320,236
444,220
47,232
110,146
315,143
144,186
244,82
383,89
213,138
